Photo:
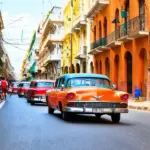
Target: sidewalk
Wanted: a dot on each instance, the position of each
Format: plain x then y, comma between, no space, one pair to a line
2,103
145,105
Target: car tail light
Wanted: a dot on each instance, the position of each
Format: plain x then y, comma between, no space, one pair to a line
71,104
33,93
70,96
125,97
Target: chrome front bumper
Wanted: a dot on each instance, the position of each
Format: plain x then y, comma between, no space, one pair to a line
95,110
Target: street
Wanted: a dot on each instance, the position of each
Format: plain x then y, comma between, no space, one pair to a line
26,127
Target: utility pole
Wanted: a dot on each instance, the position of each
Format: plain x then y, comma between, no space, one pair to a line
71,37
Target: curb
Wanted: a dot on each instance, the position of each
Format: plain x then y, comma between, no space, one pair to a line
139,108
2,104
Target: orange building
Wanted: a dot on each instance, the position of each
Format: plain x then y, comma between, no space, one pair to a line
120,42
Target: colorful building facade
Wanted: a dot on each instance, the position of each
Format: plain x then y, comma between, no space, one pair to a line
75,42
51,45
120,42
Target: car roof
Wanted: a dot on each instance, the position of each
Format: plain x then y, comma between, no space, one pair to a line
43,81
84,75
25,82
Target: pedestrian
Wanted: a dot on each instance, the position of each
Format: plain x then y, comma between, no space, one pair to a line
4,85
1,98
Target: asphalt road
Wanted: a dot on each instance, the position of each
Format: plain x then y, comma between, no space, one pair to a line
26,127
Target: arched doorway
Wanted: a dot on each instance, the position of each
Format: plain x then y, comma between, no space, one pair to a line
66,69
143,65
97,67
100,29
128,58
116,70
77,68
92,67
100,65
84,67
117,31
73,69
107,67
105,27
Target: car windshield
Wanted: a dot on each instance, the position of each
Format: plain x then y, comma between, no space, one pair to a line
89,81
26,84
44,84
15,84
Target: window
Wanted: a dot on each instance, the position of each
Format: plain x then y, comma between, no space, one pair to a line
89,81
44,84
26,85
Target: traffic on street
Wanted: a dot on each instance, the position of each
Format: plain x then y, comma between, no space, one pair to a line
30,127
75,75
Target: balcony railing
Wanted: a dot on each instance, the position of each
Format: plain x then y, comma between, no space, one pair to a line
137,24
98,43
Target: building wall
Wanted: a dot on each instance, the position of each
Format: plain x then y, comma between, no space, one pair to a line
138,48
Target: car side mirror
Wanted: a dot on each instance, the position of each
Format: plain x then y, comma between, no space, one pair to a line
62,87
114,86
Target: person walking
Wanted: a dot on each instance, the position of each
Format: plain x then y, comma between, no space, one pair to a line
4,85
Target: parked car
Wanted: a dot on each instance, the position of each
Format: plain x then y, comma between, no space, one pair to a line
86,94
15,87
37,91
22,87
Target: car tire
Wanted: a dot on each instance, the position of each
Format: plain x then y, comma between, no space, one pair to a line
98,116
50,110
115,118
66,116
32,103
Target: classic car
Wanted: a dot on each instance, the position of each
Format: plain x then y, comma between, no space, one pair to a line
22,87
37,91
86,94
15,87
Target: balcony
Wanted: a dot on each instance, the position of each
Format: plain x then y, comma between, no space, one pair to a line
96,7
79,23
137,27
124,31
82,53
112,39
98,46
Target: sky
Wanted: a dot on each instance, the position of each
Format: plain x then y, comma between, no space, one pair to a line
21,18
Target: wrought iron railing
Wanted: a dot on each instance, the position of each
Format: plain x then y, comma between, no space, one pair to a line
100,42
137,24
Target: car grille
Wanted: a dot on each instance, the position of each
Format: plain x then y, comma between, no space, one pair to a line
97,105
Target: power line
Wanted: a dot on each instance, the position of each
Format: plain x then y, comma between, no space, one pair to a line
14,21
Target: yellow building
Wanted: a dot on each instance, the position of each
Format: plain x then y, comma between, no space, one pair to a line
75,43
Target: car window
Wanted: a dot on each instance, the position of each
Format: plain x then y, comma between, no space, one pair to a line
44,84
26,84
88,81
57,83
61,81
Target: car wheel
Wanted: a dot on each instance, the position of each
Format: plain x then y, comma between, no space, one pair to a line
98,115
115,118
66,116
32,103
50,110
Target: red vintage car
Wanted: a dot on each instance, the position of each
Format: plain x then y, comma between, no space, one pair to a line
86,94
15,87
37,91
22,87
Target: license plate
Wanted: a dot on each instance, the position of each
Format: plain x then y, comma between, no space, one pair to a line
98,110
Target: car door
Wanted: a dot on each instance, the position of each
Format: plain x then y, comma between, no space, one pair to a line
60,93
53,94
